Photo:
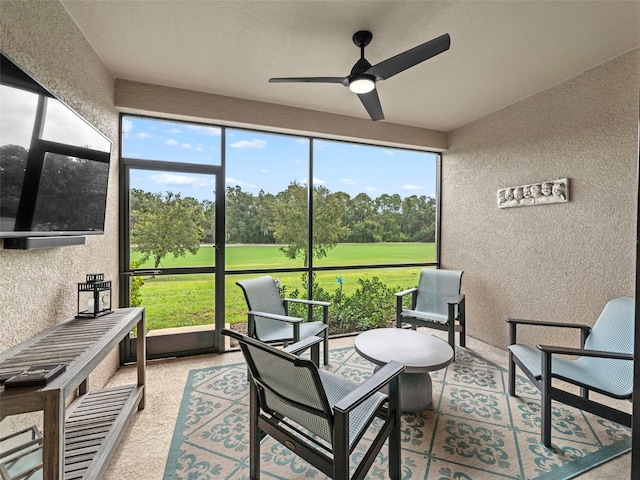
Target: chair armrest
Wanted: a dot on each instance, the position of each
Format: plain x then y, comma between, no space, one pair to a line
585,353
456,300
546,324
274,316
308,302
514,322
302,345
369,386
406,292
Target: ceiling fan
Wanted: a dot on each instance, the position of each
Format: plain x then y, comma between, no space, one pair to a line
363,77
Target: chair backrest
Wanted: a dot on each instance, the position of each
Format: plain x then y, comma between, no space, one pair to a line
435,288
289,385
262,295
613,332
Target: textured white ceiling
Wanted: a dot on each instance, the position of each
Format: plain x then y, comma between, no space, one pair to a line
500,51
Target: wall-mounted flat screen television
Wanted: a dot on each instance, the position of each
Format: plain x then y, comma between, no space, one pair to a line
54,166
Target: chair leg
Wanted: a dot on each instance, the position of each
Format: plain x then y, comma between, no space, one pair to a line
315,354
463,326
325,347
452,337
341,447
451,324
545,400
395,446
254,434
512,375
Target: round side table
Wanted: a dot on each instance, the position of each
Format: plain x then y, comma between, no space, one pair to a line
419,352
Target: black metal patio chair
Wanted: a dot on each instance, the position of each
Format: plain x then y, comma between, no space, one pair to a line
320,416
604,364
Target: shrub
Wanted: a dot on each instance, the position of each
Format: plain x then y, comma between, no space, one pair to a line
135,283
372,305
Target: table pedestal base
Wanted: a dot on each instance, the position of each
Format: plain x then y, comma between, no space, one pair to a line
415,391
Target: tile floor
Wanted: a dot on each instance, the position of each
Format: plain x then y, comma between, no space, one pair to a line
143,450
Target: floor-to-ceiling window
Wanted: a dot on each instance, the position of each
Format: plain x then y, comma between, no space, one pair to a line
338,221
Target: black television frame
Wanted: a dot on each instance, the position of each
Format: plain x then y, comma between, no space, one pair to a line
23,236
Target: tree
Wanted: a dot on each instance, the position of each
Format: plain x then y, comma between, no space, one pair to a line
362,219
238,221
390,217
209,224
290,221
248,217
419,218
167,225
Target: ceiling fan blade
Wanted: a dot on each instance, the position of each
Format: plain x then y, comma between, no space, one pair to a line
416,55
343,80
372,103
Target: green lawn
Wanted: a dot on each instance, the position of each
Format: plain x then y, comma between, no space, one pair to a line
185,300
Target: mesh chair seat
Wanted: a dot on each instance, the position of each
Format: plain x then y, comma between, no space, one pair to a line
284,332
431,316
337,388
599,374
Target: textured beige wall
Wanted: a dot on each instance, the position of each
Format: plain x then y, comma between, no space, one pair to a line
549,262
39,288
177,103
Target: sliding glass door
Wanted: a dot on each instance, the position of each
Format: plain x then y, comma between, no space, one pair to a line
171,173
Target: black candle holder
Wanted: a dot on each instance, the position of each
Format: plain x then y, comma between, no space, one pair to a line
94,296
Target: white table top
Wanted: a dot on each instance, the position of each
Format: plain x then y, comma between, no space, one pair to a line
419,352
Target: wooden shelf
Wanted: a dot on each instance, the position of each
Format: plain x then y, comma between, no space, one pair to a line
78,442
93,428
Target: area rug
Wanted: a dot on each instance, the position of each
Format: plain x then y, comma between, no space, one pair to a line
473,429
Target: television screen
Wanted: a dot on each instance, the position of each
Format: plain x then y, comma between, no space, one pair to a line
54,166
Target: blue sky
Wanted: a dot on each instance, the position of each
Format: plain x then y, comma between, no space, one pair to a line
270,162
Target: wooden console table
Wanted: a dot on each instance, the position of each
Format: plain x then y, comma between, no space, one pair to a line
80,440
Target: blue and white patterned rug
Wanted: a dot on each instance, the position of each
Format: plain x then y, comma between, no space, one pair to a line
473,430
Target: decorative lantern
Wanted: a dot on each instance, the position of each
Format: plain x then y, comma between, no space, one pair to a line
94,296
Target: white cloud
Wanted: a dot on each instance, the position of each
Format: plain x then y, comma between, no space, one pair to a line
171,141
186,145
142,136
316,181
240,183
370,189
174,131
409,186
178,179
389,152
213,131
348,181
254,143
127,126
264,170
233,181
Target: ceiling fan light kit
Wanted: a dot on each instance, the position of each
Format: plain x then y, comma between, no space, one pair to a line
363,77
362,84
